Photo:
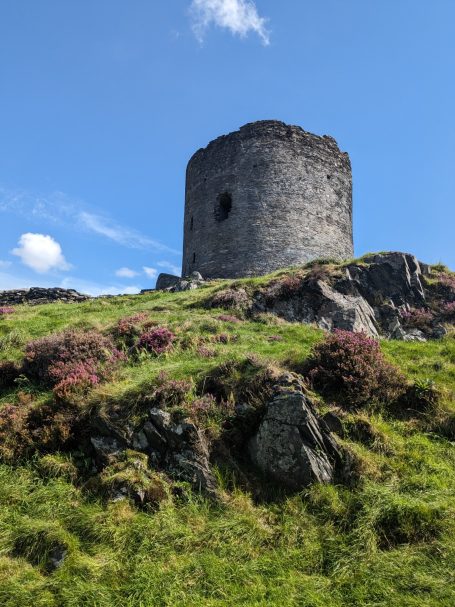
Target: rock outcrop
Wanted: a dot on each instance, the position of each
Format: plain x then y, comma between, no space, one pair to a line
179,449
38,295
175,284
293,446
374,295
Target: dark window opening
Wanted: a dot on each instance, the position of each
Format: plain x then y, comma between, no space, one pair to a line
223,206
191,223
194,257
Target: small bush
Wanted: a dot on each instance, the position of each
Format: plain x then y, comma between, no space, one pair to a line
9,372
50,359
284,287
129,328
448,280
222,338
207,409
205,352
418,318
228,318
15,440
231,298
171,392
54,426
6,311
448,311
74,378
351,369
157,341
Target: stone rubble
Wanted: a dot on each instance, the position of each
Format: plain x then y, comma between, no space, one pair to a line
37,296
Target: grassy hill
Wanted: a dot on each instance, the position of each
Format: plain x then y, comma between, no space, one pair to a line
386,540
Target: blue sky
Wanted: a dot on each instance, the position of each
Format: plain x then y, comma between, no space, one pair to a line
104,101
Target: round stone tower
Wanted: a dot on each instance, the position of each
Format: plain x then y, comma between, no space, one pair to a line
265,197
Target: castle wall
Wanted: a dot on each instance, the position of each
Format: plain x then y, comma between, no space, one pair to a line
265,197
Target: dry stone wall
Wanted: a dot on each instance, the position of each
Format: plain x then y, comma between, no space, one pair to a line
38,295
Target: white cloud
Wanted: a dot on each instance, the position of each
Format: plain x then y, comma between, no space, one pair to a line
59,209
4,264
95,289
120,234
238,16
167,265
126,273
41,253
150,272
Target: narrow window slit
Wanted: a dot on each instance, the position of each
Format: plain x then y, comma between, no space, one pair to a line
223,206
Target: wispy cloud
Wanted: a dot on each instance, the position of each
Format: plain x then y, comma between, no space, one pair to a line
95,289
167,265
41,253
4,264
150,272
59,209
240,17
120,234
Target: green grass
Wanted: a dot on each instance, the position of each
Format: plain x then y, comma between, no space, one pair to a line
388,541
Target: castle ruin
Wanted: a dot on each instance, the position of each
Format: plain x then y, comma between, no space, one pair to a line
265,197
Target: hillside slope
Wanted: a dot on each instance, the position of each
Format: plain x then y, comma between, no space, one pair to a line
91,514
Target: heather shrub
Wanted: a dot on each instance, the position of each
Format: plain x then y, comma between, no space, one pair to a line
447,279
228,318
74,378
206,410
418,318
284,287
129,328
29,427
157,341
447,311
222,338
4,311
231,298
205,352
248,381
51,359
15,440
351,369
171,392
9,372
54,426
318,272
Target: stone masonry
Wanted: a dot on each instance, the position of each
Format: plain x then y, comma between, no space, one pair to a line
265,197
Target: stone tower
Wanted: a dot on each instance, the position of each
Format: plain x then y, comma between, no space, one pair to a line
265,197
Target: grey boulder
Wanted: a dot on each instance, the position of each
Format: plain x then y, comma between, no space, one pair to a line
293,446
